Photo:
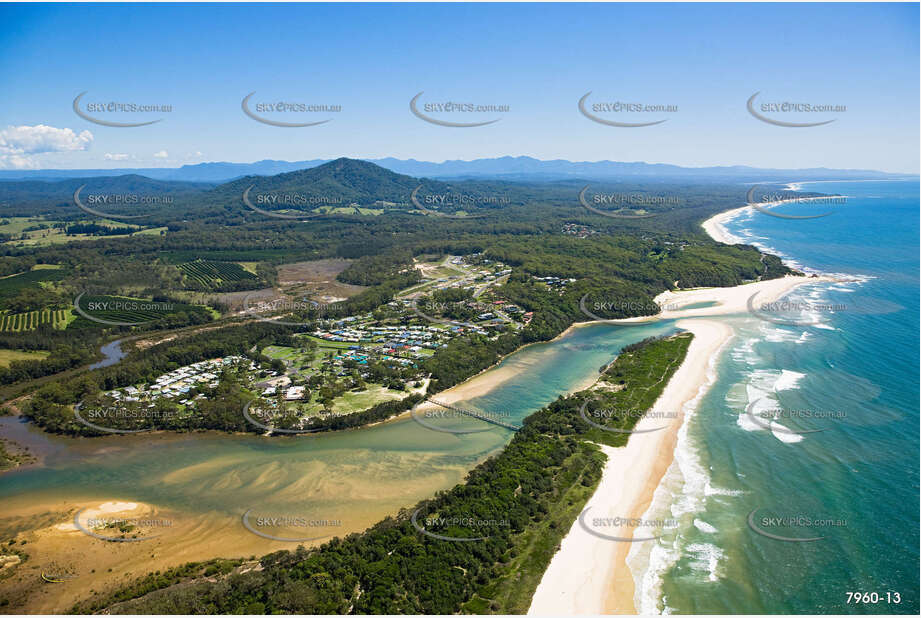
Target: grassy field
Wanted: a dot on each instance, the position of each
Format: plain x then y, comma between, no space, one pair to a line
346,403
8,356
151,231
332,345
51,236
19,322
356,402
15,225
280,352
350,210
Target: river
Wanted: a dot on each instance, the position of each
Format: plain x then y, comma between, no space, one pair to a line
204,482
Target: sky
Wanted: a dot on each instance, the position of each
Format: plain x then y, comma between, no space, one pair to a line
539,60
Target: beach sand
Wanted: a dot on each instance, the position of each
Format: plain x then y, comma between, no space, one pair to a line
590,575
714,225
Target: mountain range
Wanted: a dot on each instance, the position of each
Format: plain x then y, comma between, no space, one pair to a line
505,168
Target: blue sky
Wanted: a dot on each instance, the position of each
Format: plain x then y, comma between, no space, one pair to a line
537,59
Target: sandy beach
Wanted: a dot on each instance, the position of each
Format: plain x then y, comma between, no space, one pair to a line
589,574
715,228
714,225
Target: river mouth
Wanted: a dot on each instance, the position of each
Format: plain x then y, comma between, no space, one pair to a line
205,482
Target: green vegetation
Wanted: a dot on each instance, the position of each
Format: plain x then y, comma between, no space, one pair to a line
17,322
527,497
211,234
51,407
208,275
9,356
160,311
11,286
13,455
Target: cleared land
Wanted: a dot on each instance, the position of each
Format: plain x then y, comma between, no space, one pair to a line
8,356
317,279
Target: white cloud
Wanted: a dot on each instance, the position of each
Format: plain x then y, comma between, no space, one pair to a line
117,156
17,162
19,144
161,155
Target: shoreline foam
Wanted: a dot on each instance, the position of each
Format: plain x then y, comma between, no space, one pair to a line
588,575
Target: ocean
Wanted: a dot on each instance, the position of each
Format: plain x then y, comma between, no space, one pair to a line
796,479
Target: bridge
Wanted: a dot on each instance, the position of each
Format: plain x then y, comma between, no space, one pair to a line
471,413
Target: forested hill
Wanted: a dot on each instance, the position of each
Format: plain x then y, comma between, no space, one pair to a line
33,197
343,181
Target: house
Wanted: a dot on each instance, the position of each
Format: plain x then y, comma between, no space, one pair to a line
295,392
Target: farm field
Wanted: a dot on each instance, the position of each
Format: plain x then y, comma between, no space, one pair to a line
211,275
128,310
11,285
20,322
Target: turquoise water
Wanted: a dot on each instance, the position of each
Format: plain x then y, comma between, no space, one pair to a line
856,478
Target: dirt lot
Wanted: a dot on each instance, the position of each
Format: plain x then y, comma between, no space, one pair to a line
317,279
235,300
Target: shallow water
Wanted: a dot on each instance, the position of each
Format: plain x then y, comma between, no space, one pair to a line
357,477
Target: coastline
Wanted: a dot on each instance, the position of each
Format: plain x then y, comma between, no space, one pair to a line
588,575
714,226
